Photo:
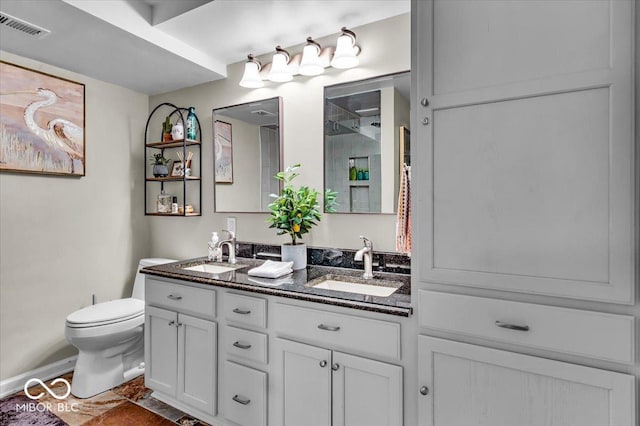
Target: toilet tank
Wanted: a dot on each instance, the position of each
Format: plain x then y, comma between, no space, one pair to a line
138,284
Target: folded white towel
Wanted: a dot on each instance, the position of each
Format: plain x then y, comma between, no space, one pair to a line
271,269
271,282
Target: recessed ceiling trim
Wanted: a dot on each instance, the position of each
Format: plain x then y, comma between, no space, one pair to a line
23,26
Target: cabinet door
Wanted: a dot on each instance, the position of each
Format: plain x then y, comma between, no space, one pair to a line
366,392
197,363
306,384
524,146
476,386
161,350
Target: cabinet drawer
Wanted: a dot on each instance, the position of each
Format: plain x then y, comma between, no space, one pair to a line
246,344
181,298
375,337
245,310
586,333
245,395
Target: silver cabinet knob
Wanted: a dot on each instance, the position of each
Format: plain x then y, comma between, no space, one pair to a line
424,102
323,363
171,323
425,121
424,390
335,367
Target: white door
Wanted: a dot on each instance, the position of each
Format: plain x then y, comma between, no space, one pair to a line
476,386
306,384
197,362
523,130
366,392
160,350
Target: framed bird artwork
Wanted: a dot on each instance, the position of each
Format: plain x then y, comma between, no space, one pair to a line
42,123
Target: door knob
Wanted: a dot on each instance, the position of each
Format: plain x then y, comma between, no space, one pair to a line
424,102
424,390
425,121
323,363
335,367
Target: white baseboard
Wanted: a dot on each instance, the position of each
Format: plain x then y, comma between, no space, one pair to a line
55,369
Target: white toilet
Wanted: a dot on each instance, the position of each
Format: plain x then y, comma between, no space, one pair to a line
110,339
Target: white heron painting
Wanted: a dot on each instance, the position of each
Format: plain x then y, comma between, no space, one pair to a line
41,123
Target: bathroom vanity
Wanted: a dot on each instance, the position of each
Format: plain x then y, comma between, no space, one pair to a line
231,349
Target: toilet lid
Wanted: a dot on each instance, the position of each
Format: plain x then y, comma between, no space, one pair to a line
107,312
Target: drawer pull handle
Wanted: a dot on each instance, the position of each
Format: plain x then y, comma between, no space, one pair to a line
172,297
335,367
323,363
239,400
512,326
241,345
241,311
328,327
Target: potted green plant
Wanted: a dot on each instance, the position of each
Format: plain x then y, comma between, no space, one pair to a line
160,165
294,212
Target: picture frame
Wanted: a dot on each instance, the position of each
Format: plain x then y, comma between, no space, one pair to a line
223,152
177,169
42,123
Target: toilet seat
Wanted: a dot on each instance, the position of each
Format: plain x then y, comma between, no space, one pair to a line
106,313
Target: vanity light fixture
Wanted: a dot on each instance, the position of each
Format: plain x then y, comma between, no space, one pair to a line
251,78
311,63
280,71
346,54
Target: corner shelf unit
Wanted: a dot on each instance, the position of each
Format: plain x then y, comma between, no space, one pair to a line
184,187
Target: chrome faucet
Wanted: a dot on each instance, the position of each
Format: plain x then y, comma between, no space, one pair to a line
366,252
231,245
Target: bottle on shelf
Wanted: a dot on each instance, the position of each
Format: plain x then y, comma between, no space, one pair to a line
360,175
366,174
166,129
353,173
174,205
191,123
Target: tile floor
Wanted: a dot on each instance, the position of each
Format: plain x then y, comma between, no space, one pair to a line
129,404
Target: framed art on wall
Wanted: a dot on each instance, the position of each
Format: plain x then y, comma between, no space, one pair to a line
223,152
42,122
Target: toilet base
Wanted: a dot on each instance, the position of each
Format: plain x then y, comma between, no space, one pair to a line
95,374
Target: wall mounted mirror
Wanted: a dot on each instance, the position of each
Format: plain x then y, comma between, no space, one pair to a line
247,142
364,125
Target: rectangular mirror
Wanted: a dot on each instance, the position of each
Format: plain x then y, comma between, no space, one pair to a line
247,153
365,123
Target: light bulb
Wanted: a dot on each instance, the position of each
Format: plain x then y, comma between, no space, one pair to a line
280,72
311,63
251,78
346,52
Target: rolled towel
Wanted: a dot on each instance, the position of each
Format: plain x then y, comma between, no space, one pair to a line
271,269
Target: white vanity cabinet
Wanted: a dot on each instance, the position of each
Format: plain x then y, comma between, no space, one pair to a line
322,386
181,346
464,384
523,147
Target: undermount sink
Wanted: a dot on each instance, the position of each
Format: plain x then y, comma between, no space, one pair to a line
369,287
210,268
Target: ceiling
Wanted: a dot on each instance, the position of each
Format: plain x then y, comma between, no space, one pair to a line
156,46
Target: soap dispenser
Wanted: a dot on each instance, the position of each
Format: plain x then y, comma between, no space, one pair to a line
213,249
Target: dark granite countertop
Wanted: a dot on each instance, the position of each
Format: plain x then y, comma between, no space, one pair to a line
294,285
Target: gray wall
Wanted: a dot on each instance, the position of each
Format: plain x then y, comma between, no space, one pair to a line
65,238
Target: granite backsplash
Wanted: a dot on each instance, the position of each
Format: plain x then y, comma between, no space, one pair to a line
343,258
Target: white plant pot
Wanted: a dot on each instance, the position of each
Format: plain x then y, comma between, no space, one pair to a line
297,254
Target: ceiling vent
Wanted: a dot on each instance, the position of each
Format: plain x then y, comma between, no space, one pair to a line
262,112
22,26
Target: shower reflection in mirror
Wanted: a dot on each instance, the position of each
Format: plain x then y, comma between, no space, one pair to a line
364,125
